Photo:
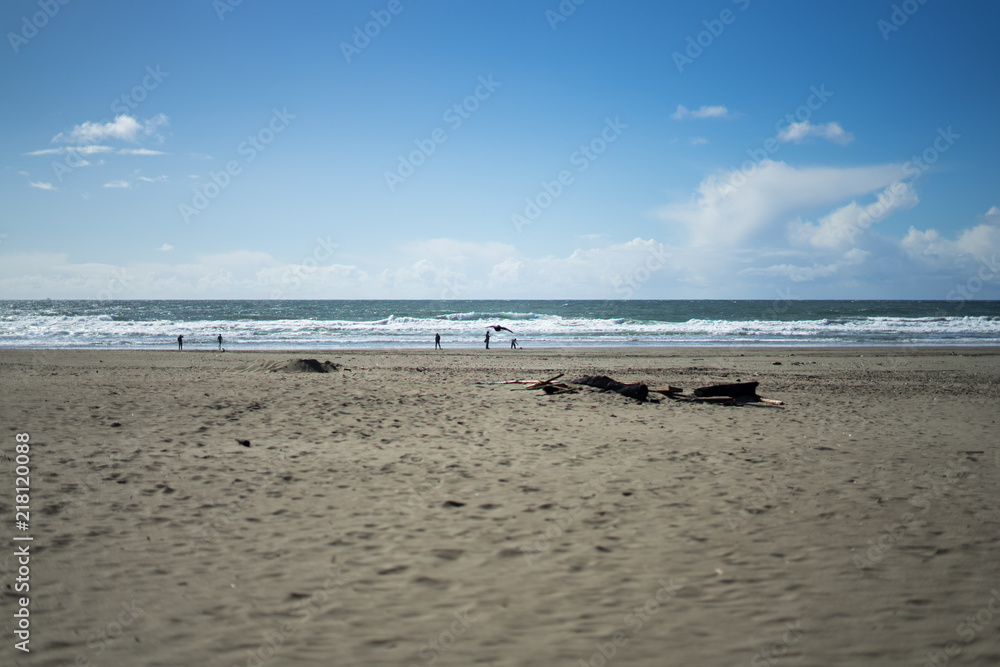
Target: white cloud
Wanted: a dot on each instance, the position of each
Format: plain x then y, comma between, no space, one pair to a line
42,186
117,184
697,141
139,151
731,207
993,211
798,274
844,225
799,132
79,150
147,179
684,113
123,127
166,247
981,242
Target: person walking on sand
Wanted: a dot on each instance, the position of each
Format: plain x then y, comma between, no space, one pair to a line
437,341
513,343
180,342
220,342
487,339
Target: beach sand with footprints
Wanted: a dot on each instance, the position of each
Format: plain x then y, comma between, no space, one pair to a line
392,511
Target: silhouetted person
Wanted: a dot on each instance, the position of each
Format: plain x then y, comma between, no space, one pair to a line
513,343
437,341
220,342
180,342
487,339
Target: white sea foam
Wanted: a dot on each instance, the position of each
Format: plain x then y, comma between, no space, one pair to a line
466,329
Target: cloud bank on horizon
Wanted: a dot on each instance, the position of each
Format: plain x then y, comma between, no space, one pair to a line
531,151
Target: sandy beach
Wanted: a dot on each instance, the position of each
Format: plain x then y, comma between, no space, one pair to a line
395,512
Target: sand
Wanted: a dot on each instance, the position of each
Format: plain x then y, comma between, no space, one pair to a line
392,511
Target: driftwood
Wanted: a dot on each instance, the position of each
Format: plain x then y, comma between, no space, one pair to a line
667,390
732,390
637,391
721,394
541,384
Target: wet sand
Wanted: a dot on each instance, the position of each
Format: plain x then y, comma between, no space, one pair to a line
395,512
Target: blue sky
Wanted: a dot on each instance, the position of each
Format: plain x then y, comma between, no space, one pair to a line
517,149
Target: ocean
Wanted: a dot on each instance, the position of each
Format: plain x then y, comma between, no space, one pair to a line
281,324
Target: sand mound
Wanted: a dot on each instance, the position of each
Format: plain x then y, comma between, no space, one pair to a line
290,366
306,366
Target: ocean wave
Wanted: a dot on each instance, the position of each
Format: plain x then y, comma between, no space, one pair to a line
100,329
462,317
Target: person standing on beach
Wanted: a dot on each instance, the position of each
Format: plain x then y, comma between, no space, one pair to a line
437,341
513,343
220,342
180,342
487,339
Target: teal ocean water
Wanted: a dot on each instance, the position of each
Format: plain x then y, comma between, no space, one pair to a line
279,324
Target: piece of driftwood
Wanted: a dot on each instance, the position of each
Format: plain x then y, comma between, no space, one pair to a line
559,388
508,382
539,385
667,390
721,400
637,391
732,390
770,401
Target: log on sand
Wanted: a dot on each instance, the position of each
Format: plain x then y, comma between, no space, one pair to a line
637,391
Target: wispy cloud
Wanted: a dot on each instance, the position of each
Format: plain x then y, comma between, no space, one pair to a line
80,150
147,179
139,151
42,186
117,184
799,132
166,247
683,113
798,274
697,141
123,127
